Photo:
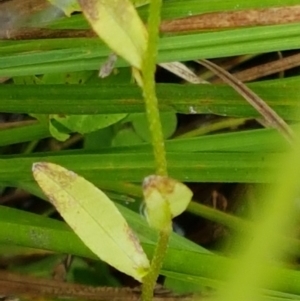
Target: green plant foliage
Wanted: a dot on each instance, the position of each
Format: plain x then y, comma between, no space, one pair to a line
126,36
86,123
80,54
281,95
91,213
126,136
139,122
56,81
160,192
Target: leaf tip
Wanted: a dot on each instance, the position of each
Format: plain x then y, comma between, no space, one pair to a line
37,166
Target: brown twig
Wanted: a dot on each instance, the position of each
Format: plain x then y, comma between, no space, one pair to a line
16,284
43,33
16,124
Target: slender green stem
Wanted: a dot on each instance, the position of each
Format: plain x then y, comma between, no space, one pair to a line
149,280
148,72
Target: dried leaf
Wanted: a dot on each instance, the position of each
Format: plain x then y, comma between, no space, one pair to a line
182,71
234,18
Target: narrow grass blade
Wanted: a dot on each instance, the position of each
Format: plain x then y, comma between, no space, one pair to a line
270,116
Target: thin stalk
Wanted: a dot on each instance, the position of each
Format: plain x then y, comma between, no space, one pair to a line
149,280
157,139
149,93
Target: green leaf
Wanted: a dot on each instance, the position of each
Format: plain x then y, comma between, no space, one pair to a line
80,77
158,213
165,198
118,24
141,126
126,136
98,139
26,80
87,123
58,131
93,217
282,95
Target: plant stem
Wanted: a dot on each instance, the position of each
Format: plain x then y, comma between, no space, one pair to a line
149,280
148,72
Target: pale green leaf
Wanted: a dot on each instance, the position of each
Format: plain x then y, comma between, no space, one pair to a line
179,196
157,207
118,24
93,217
159,190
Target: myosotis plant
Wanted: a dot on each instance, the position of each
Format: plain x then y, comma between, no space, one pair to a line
164,198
